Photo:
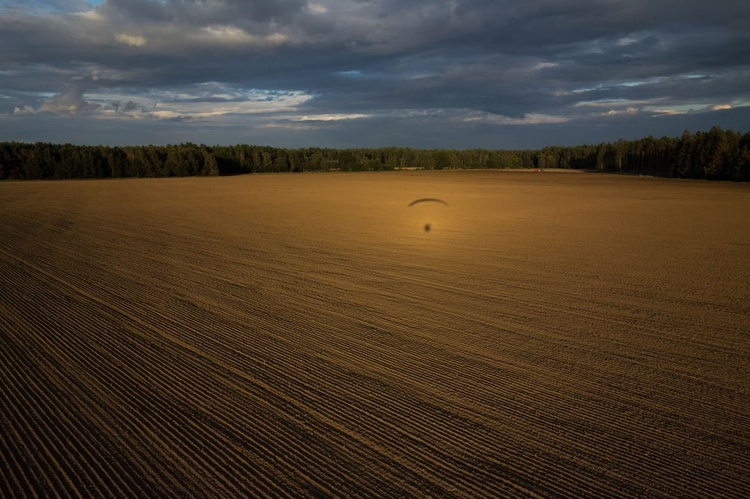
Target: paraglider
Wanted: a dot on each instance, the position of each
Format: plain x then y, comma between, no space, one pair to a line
427,226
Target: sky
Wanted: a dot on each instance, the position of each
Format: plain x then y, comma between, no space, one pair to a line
497,74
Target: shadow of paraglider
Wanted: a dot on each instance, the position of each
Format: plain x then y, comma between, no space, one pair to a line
427,226
427,200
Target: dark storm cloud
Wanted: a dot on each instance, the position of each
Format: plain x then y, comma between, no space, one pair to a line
202,12
420,71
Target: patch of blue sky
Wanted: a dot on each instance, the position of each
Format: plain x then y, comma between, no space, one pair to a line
53,6
628,84
355,73
634,83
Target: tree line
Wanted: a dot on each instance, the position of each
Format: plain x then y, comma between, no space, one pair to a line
715,155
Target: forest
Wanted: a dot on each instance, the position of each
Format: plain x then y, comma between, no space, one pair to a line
713,155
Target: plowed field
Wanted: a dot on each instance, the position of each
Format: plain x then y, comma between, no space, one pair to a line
556,334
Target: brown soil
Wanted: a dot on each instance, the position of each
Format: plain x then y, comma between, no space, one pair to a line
287,335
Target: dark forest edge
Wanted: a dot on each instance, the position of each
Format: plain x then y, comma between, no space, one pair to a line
714,155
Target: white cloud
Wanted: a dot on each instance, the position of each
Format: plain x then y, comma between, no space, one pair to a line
544,65
690,108
333,117
626,40
204,101
616,103
281,125
210,100
133,41
528,119
68,102
316,8
24,110
90,15
232,35
621,112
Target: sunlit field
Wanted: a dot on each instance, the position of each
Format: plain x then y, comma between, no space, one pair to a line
553,334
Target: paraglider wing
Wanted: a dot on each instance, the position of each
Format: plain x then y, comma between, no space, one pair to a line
427,200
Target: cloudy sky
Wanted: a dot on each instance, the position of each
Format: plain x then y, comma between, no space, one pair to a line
370,73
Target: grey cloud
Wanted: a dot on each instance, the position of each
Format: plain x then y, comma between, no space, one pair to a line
391,60
130,106
68,102
198,13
